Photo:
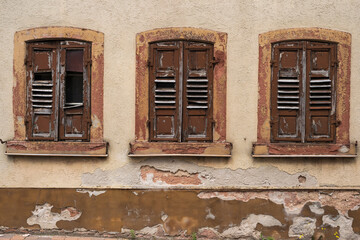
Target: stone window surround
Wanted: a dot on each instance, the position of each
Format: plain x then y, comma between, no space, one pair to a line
342,146
96,147
141,147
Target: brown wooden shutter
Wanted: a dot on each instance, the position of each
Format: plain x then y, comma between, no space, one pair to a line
286,89
197,94
74,91
165,91
41,65
320,96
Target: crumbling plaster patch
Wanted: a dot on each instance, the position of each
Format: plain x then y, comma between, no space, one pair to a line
294,202
248,225
91,193
130,175
43,216
345,223
302,227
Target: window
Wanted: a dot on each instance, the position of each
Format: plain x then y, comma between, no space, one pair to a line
303,91
304,94
58,93
58,87
180,93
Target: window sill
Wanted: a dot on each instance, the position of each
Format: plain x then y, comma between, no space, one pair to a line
193,149
303,150
60,149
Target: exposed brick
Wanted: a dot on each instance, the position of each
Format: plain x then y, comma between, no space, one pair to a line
178,178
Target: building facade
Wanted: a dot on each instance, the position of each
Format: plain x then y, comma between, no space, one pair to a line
191,119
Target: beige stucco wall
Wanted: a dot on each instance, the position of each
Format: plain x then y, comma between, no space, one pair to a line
120,21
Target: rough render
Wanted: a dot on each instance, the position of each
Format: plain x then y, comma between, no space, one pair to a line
181,213
120,23
43,216
167,173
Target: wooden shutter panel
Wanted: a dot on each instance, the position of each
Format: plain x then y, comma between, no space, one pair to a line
41,68
74,91
286,108
320,97
164,91
197,94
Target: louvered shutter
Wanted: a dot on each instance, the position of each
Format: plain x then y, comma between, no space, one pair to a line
286,91
320,102
164,91
74,91
197,94
41,67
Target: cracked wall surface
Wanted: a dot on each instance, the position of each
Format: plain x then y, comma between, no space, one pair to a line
120,22
182,213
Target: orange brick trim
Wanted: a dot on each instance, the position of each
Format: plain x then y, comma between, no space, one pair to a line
343,41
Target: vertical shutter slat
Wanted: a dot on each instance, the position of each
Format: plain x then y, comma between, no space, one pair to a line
41,82
197,95
286,90
75,91
164,91
320,92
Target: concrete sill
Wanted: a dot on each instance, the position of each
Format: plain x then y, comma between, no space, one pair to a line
193,149
307,150
56,149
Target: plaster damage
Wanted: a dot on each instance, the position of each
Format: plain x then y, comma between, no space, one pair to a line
160,173
345,223
43,216
294,202
302,227
91,193
248,225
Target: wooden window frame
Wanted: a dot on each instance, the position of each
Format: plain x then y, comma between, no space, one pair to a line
341,147
20,145
142,146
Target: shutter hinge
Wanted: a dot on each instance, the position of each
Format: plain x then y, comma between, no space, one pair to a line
2,141
149,63
89,62
273,63
213,123
27,62
335,63
336,122
273,122
148,123
214,61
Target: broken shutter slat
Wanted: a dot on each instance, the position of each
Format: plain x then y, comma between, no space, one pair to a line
164,69
74,92
286,88
41,118
197,94
320,96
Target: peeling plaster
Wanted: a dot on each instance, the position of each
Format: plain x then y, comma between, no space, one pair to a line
316,208
302,227
247,226
294,202
43,216
91,193
129,175
346,231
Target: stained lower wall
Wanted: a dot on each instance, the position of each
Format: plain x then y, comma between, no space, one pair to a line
331,214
